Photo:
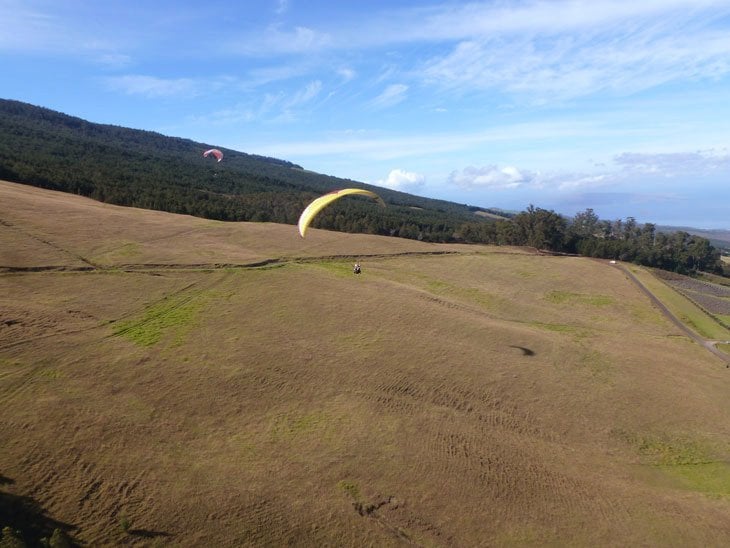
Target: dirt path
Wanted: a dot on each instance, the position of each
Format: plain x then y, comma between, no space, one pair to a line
709,345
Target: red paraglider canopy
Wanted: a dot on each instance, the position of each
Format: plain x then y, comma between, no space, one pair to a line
215,152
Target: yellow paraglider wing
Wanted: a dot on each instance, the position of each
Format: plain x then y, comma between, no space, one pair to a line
318,204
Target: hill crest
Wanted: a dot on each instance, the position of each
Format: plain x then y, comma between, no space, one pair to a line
144,169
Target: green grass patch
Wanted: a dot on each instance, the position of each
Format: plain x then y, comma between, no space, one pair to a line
558,328
338,268
710,478
50,373
566,297
683,464
469,294
526,274
126,251
170,314
289,425
724,348
669,452
8,363
438,286
351,488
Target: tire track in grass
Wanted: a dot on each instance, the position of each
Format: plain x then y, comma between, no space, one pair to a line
17,383
57,247
504,471
67,479
483,444
403,392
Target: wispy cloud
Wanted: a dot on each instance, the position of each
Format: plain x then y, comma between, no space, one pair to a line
563,67
479,20
392,95
281,6
271,107
533,49
305,95
28,29
152,86
113,60
371,145
400,179
275,41
346,74
43,29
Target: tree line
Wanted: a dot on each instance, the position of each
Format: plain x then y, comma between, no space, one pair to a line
587,235
145,169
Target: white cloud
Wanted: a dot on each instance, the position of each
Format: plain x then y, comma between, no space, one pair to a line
399,179
675,164
392,95
152,86
492,177
632,168
574,181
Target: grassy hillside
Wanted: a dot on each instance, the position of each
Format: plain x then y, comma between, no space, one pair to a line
449,395
144,169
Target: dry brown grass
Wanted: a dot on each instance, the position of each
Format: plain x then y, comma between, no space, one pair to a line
475,398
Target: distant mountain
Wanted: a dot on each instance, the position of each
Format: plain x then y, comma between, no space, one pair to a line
718,238
145,169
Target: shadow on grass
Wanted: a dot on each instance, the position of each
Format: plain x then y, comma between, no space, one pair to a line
145,533
28,520
525,351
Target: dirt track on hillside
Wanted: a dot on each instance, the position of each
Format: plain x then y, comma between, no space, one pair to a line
709,345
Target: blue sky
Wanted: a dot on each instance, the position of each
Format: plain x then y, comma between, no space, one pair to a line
622,106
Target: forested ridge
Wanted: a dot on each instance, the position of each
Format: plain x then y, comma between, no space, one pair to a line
145,169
